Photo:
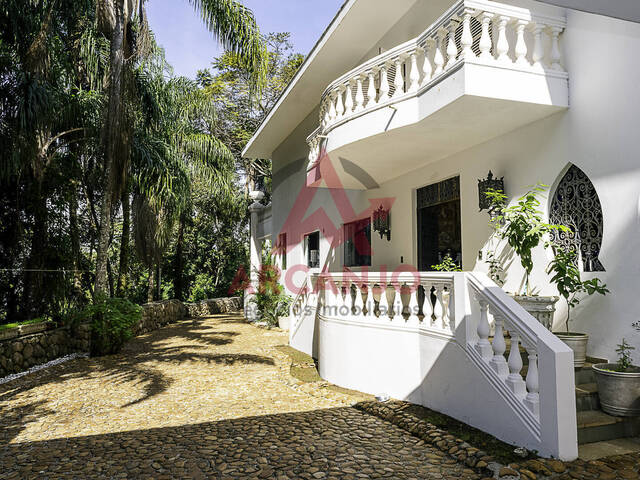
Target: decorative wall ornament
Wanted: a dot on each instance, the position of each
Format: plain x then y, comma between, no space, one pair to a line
576,205
441,192
486,185
382,222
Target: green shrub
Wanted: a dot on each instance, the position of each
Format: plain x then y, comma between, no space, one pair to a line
112,321
270,299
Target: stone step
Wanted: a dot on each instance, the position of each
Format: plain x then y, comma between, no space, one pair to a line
597,426
587,397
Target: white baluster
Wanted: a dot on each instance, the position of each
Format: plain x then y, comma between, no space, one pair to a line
502,44
397,304
498,362
359,95
438,58
398,81
556,56
439,307
428,308
427,70
413,305
341,310
349,298
414,77
521,45
466,40
447,307
371,90
371,303
514,380
348,102
383,306
538,47
533,397
485,39
483,346
340,104
332,108
359,303
452,49
384,84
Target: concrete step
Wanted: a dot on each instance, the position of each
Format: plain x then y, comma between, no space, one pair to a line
597,426
587,397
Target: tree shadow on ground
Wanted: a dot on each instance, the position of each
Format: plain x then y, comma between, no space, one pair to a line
137,364
334,441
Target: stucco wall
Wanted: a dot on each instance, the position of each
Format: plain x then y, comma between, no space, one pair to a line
598,134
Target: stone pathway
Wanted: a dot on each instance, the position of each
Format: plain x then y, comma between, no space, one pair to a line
205,398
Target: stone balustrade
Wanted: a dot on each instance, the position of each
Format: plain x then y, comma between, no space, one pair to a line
471,31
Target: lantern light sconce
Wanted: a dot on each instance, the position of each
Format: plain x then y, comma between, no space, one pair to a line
486,185
382,222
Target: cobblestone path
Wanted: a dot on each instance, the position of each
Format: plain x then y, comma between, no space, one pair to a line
205,398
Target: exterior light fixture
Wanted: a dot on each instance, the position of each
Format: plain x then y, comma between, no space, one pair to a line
382,222
486,185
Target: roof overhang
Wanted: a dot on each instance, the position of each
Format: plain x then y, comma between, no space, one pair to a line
355,30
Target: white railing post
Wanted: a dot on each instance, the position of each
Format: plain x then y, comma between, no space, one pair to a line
397,303
398,81
383,305
426,66
371,90
438,58
514,380
413,305
452,49
466,40
358,306
555,55
340,103
521,45
502,43
333,114
348,101
359,95
498,362
485,38
371,303
538,47
384,84
483,346
532,399
414,77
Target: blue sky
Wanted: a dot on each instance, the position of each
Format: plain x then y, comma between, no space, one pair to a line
190,47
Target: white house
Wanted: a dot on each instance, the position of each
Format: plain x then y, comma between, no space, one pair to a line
402,107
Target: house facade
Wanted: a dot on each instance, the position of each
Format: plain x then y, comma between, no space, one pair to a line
382,146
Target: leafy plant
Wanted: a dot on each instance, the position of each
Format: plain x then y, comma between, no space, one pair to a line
521,225
566,276
112,322
624,356
447,265
270,299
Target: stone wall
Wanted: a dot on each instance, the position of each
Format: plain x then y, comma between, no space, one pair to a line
23,347
214,306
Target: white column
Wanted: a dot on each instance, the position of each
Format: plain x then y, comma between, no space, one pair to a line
498,362
339,103
332,108
485,39
438,58
514,380
502,44
255,260
483,346
438,308
348,101
521,45
533,397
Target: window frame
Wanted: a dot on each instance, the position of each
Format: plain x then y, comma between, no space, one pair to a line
351,243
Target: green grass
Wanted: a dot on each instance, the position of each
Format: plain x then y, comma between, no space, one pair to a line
8,326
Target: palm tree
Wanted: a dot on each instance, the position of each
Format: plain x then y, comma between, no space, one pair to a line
229,21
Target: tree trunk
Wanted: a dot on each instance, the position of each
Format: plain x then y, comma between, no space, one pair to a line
152,274
158,282
75,242
112,136
178,266
123,268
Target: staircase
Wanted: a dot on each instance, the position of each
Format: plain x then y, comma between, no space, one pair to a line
593,424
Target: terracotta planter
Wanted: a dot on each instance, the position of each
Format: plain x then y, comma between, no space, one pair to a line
578,343
619,392
541,308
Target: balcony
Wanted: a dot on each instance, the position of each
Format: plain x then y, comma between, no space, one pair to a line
481,70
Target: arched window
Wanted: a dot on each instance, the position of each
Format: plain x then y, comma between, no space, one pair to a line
576,205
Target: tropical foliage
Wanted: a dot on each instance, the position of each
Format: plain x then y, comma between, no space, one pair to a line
118,178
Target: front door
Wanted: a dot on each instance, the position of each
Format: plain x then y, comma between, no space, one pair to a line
439,225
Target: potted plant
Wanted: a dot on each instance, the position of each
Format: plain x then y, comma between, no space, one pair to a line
619,383
566,277
521,225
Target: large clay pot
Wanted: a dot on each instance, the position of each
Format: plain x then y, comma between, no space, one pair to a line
619,392
578,343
